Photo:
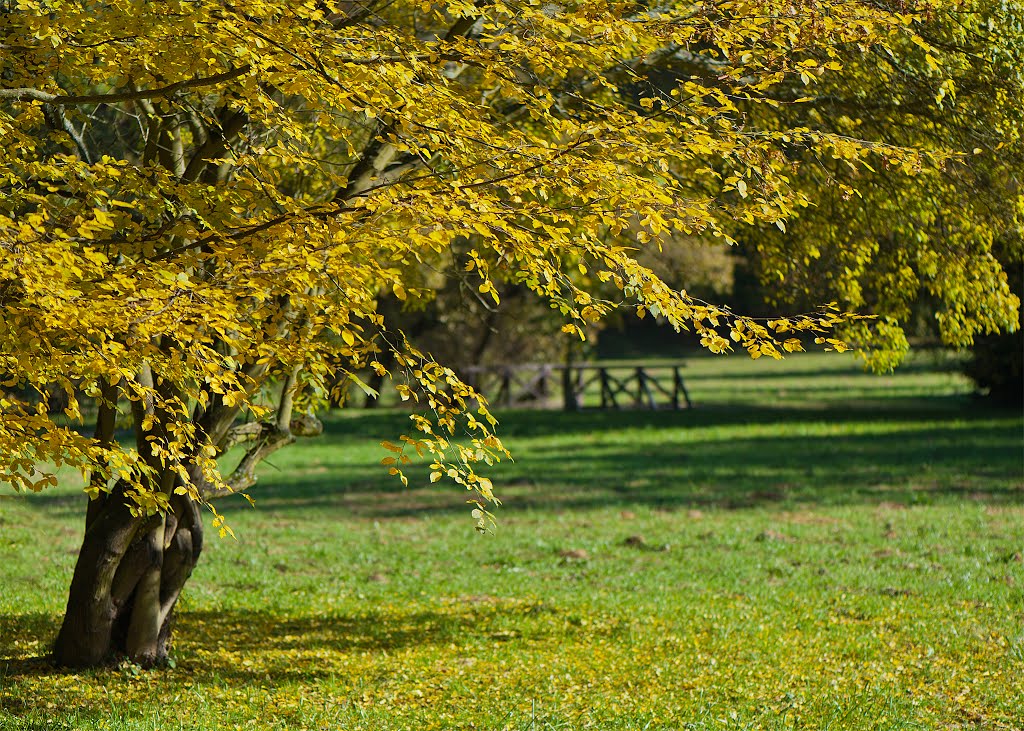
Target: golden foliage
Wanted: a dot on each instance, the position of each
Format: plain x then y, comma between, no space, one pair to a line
203,201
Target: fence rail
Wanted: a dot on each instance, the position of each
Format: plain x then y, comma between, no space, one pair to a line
586,385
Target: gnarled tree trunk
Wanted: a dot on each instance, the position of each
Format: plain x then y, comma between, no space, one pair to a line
129,575
131,568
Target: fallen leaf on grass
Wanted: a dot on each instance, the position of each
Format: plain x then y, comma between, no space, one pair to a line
774,535
475,599
504,635
639,542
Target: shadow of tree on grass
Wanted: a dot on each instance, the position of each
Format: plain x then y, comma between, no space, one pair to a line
923,460
230,651
941,450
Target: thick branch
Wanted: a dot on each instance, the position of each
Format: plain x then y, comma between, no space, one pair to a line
240,433
106,415
217,418
181,551
29,94
216,144
269,441
270,438
287,403
464,25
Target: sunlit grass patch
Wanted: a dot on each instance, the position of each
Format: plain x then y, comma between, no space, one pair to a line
835,565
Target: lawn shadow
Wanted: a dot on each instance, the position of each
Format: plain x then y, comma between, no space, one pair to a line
25,641
385,423
676,460
945,448
279,642
238,649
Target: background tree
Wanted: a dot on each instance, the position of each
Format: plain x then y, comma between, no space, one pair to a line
928,251
205,203
996,364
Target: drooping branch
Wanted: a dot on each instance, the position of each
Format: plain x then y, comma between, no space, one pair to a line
268,437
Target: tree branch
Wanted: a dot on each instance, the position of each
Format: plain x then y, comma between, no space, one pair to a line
238,434
106,415
56,118
271,437
29,94
216,144
464,25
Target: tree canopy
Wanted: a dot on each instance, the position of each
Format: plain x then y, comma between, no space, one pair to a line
204,202
936,242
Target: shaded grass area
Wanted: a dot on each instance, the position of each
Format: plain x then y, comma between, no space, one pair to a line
848,557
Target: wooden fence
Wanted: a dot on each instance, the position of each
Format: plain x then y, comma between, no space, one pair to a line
587,385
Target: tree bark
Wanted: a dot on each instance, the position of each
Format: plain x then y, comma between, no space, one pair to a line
130,568
128,577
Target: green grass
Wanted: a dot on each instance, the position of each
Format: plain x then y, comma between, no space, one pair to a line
811,547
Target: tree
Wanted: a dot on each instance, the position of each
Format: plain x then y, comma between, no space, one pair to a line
996,364
933,246
204,202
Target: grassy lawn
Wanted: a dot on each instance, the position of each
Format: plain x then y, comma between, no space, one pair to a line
811,547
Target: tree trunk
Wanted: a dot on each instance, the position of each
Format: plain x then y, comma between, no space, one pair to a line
131,569
129,575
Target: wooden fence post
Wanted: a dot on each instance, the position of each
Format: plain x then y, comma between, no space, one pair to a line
535,384
569,400
679,385
506,385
